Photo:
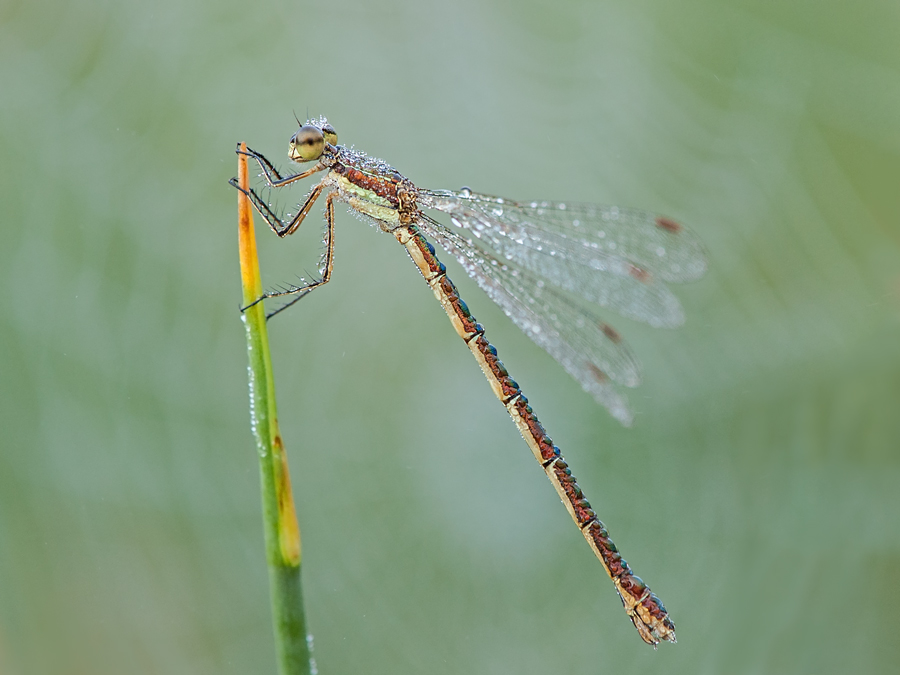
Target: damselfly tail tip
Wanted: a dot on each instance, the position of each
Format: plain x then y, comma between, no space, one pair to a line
655,631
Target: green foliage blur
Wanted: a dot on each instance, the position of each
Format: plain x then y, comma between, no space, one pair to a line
757,493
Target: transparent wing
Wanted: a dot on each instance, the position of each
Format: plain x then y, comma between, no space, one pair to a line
590,350
611,256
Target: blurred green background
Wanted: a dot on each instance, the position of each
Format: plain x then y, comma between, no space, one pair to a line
757,493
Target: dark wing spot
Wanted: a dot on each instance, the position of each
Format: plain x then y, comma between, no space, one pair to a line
598,374
639,273
611,333
668,224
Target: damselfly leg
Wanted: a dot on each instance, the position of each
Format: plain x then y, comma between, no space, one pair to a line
282,228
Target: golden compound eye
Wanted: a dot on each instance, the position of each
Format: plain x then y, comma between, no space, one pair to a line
330,134
307,144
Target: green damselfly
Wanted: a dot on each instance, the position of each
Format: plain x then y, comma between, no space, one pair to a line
546,264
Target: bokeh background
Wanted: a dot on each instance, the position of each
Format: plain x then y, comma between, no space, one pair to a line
757,492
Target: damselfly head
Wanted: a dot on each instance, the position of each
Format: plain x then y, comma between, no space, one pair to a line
307,144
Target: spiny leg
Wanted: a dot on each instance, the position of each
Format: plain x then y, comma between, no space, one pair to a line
302,291
273,178
277,225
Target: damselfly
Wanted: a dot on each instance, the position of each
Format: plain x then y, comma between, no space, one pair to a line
546,264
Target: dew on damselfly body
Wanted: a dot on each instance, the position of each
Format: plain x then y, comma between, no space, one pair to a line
548,265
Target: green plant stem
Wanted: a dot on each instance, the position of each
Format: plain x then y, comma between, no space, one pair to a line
282,534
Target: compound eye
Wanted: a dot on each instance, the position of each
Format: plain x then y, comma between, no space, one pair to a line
330,134
307,144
